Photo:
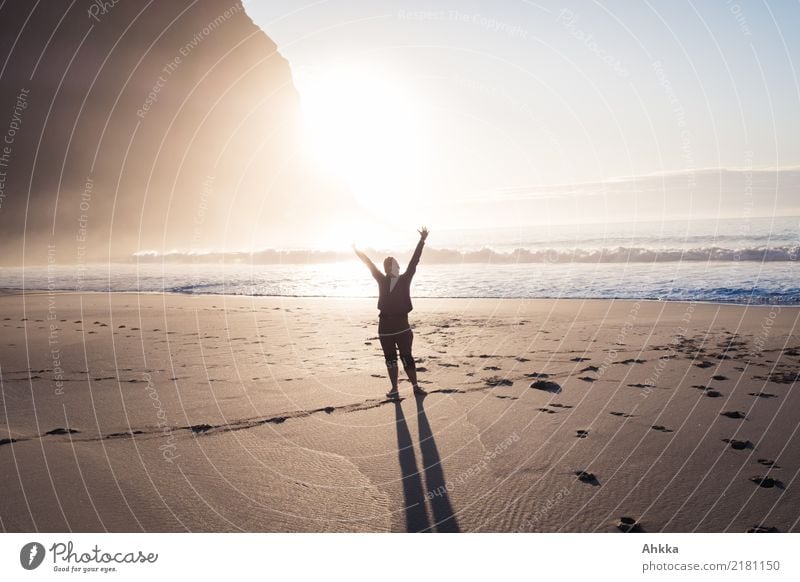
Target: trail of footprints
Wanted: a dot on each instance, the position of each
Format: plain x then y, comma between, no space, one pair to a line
695,349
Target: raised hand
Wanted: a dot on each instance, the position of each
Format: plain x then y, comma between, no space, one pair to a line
423,233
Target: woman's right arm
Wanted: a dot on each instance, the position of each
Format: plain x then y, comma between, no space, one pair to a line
376,274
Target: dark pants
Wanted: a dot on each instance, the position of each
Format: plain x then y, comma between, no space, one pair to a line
401,342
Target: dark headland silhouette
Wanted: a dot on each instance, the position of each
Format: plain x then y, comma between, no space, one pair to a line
148,126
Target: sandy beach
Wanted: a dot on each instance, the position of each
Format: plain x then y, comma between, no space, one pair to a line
150,412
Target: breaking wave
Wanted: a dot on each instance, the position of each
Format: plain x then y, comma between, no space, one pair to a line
619,254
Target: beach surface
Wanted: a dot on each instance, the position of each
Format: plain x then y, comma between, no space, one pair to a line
169,412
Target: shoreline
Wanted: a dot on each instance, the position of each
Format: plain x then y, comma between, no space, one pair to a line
22,292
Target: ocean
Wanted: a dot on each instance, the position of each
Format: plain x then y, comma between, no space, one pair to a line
751,261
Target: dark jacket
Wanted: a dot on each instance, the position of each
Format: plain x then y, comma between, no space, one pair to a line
398,300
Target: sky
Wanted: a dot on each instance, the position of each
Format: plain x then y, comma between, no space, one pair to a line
520,112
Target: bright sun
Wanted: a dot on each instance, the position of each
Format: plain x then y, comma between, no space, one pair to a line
369,130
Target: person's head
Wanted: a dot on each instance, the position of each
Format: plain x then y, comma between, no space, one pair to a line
391,266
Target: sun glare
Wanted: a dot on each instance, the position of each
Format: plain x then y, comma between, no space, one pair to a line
367,128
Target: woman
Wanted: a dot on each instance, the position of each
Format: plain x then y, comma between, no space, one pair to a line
394,303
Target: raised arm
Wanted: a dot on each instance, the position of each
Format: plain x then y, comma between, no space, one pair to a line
412,264
376,274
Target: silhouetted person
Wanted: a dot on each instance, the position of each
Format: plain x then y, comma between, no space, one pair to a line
394,303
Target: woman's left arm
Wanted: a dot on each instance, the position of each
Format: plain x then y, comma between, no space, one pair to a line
412,264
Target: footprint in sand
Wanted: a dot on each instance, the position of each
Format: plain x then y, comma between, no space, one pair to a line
497,381
579,359
629,525
766,482
556,405
704,364
581,433
762,394
546,386
762,529
62,431
119,435
708,391
587,379
586,477
738,445
780,377
640,385
631,361
537,375
733,414
719,378
621,414
547,410
198,428
768,463
661,428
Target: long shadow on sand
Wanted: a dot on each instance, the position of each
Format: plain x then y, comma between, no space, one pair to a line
444,520
413,491
435,486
